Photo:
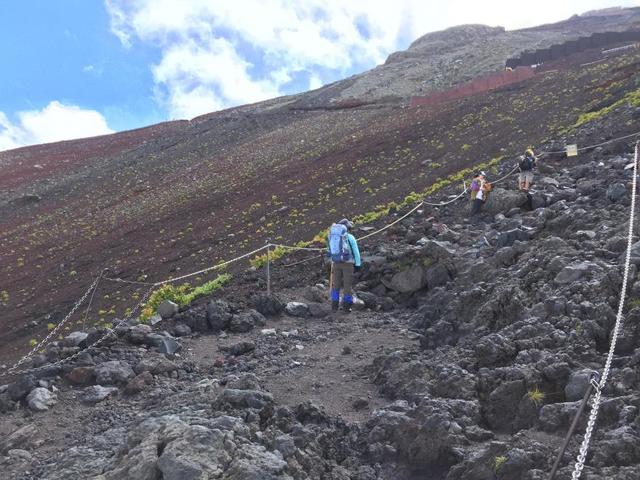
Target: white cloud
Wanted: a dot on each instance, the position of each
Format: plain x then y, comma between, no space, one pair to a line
206,45
314,82
203,44
53,123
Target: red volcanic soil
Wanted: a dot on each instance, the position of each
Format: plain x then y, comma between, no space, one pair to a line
180,196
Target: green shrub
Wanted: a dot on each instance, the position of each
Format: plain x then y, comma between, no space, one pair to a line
182,295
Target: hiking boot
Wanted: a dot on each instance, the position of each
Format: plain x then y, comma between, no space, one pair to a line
334,306
347,307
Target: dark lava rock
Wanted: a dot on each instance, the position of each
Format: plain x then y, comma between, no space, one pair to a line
268,305
19,389
218,315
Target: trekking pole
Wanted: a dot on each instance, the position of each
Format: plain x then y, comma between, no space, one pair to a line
331,280
268,269
593,384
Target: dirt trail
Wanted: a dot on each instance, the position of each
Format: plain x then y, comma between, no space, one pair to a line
328,361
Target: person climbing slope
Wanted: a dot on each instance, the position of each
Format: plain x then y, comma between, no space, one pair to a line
526,164
345,259
480,189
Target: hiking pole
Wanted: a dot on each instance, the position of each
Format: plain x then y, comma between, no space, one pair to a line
331,280
593,384
268,269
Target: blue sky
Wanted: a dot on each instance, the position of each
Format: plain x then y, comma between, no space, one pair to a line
73,68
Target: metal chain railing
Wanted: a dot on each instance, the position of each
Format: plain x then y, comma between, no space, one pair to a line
56,329
595,405
108,333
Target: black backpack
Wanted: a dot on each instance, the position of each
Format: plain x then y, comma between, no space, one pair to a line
526,163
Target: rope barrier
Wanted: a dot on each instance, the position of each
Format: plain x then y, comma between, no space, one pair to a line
589,147
288,247
215,267
131,282
595,406
269,245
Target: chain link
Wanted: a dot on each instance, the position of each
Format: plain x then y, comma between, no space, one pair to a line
57,328
109,332
595,405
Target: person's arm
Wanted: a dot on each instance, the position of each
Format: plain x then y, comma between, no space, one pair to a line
355,250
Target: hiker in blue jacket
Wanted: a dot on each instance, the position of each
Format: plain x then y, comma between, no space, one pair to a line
345,259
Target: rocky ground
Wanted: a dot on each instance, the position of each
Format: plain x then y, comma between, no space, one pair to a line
179,196
467,358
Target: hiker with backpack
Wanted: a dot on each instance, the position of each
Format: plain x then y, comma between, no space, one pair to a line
526,164
345,259
480,189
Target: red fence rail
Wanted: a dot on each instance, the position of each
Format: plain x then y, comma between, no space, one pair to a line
475,86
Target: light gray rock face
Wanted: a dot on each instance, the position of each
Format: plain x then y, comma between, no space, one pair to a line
167,309
41,399
75,339
410,280
113,372
297,309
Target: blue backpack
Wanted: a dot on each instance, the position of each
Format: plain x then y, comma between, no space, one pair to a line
338,243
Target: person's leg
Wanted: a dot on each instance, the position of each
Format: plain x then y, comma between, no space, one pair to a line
475,208
529,179
336,279
347,300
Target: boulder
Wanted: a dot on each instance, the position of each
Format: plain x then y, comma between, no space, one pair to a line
218,315
616,192
502,405
155,364
82,375
168,345
113,372
577,385
138,333
247,321
167,309
409,280
506,239
244,398
320,310
572,273
242,348
97,393
181,330
268,305
297,309
138,383
40,399
19,389
437,275
438,250
494,349
195,319
502,201
75,339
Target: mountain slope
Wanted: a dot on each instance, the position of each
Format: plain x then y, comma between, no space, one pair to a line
183,195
